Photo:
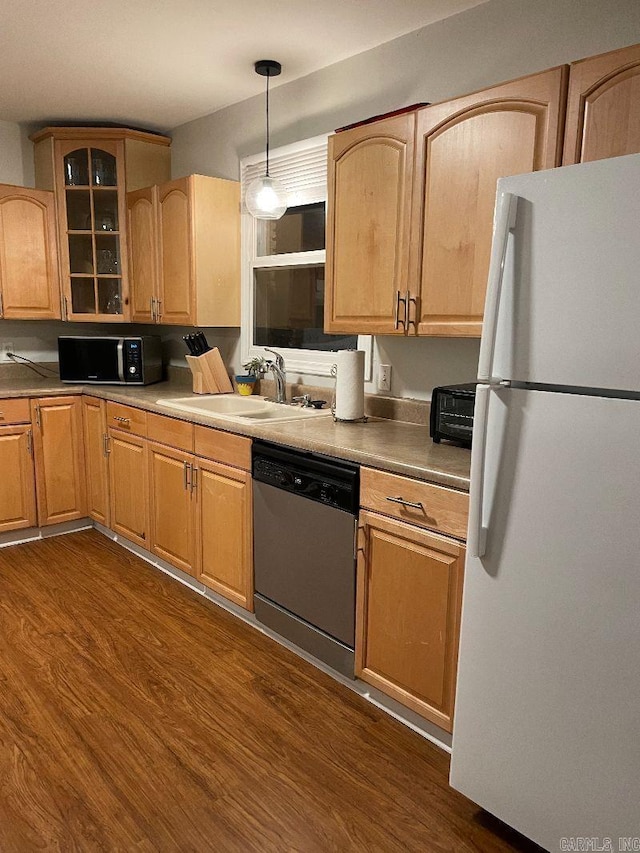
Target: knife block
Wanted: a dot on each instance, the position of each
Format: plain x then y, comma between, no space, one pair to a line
209,373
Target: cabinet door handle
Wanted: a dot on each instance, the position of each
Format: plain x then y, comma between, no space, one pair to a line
153,309
121,420
194,478
415,301
63,307
1,306
185,474
403,502
158,311
105,444
38,418
29,442
396,315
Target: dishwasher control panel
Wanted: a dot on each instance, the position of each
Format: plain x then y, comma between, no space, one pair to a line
325,480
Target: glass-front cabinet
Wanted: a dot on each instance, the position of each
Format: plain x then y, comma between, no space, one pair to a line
92,244
90,171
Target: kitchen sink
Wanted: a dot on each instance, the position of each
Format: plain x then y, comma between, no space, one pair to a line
241,409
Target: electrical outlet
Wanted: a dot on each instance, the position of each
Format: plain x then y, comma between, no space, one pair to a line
384,377
5,347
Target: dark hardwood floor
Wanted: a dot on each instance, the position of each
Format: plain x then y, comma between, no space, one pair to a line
136,716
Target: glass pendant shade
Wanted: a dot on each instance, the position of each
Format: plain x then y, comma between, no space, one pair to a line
266,198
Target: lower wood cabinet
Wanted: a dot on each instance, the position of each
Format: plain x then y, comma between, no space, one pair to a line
59,459
172,482
17,482
96,454
409,596
201,520
224,531
129,486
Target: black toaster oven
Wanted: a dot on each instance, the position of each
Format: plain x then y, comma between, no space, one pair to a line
452,413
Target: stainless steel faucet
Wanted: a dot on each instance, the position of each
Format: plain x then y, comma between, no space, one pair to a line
280,375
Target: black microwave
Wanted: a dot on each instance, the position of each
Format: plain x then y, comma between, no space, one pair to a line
110,360
452,413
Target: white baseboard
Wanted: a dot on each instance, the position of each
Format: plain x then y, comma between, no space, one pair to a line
32,534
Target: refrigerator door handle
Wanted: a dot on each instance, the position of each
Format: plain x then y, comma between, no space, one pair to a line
505,220
477,534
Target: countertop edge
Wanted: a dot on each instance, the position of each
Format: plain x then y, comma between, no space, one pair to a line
288,436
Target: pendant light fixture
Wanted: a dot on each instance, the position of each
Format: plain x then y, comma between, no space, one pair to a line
265,197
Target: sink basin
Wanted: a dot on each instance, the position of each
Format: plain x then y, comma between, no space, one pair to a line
241,409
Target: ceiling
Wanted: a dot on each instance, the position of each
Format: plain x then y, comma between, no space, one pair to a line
160,63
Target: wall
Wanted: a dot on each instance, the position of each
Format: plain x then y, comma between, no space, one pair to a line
496,41
11,154
38,340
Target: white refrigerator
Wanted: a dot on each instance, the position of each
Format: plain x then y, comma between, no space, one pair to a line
547,723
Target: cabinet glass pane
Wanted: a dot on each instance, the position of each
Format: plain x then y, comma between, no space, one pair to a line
80,254
103,169
109,298
289,310
105,210
78,210
107,254
76,168
301,229
83,298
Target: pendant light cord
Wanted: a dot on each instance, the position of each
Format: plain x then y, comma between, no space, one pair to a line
267,145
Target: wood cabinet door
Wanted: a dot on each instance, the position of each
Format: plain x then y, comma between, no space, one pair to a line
409,597
129,486
224,531
29,279
177,273
59,458
96,456
91,205
603,107
142,215
172,506
17,483
462,148
369,185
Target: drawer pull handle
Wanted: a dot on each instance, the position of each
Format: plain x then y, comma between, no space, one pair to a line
121,419
402,502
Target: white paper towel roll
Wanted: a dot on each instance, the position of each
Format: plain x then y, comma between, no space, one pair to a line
349,404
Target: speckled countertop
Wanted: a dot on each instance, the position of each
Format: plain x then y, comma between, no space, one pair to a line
391,445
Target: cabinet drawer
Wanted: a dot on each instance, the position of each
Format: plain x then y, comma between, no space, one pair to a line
223,447
126,418
15,410
436,507
171,431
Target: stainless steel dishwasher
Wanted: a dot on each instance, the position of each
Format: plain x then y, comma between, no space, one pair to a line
304,520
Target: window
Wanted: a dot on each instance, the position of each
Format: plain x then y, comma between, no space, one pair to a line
283,265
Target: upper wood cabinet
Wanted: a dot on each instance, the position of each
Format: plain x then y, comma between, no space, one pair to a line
90,170
184,252
59,458
369,183
463,147
411,201
29,282
603,107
